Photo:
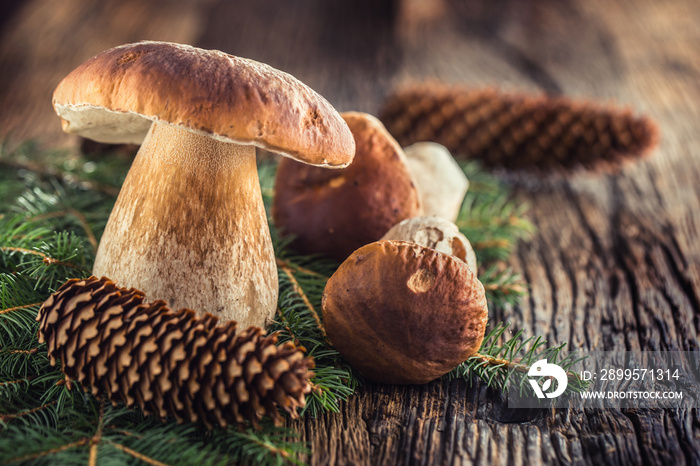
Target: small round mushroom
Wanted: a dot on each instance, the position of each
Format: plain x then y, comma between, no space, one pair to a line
402,313
441,182
189,225
435,233
336,212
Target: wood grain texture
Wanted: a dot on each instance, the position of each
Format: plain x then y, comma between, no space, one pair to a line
616,260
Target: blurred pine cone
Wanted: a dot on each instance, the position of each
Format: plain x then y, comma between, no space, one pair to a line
518,131
170,362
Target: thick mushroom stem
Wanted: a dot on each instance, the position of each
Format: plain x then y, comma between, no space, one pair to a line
189,227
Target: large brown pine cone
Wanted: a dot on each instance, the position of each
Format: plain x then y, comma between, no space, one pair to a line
170,362
518,131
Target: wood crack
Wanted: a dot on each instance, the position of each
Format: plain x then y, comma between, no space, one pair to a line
692,455
637,428
546,263
675,306
686,286
620,248
597,251
528,279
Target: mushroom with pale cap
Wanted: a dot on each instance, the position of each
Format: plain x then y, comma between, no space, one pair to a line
436,233
441,182
189,225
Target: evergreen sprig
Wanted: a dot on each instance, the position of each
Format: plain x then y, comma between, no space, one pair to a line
51,217
502,285
490,217
494,222
505,364
36,403
100,433
48,234
300,319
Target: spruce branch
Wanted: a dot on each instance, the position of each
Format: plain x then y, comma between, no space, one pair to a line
300,321
269,447
51,262
33,457
56,216
494,223
45,165
503,286
128,451
28,412
504,365
35,402
19,308
12,382
80,217
296,267
72,209
300,292
44,258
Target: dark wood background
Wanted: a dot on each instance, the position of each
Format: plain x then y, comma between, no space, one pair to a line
615,262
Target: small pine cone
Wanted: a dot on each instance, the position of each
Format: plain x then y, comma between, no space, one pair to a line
170,362
518,131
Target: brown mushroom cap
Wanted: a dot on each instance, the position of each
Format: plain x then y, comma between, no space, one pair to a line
402,313
116,95
335,212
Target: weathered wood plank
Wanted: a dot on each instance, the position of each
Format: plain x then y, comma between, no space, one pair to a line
616,260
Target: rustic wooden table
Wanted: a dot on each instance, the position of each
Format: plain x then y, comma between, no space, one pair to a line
616,260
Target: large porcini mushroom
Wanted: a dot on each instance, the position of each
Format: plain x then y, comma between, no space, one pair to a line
402,313
335,212
189,225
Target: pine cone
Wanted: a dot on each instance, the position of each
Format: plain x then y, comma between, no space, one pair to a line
518,131
170,362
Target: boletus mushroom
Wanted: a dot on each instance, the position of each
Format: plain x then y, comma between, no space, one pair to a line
189,225
402,313
334,212
441,182
436,233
